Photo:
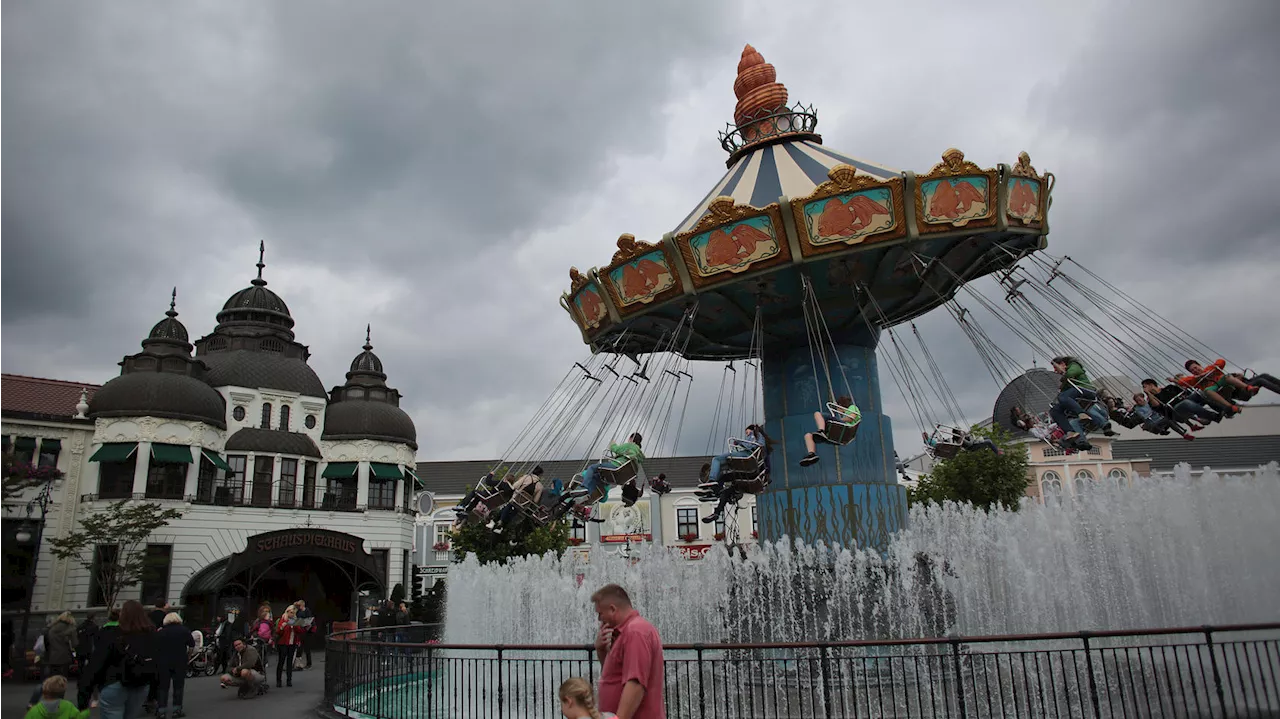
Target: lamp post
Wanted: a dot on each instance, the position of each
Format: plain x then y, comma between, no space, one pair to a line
22,536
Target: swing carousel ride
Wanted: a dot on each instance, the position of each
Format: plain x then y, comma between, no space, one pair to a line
790,271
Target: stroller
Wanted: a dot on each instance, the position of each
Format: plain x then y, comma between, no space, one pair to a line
203,660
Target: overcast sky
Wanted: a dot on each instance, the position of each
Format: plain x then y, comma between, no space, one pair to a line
435,168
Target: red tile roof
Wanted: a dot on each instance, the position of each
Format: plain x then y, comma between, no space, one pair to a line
24,395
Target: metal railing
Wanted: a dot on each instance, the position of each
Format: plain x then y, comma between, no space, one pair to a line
1225,671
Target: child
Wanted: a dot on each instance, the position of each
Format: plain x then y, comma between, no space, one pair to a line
53,706
578,701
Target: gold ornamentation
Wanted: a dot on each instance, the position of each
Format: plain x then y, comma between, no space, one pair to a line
629,248
1023,168
946,214
724,213
953,163
843,180
576,280
723,210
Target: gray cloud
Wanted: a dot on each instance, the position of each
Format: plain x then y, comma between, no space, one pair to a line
434,169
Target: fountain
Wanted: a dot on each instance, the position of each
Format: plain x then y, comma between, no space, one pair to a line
1160,553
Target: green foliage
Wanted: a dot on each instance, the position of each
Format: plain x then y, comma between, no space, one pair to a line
519,541
978,477
125,525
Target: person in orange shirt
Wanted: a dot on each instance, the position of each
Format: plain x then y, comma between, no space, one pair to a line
1217,386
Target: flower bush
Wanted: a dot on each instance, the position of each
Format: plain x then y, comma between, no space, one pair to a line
575,541
719,537
755,534
690,537
441,546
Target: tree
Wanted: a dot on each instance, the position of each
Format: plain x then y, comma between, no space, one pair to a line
124,525
521,540
979,477
21,476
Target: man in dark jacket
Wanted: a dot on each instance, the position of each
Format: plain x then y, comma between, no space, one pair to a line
227,633
172,642
102,637
85,636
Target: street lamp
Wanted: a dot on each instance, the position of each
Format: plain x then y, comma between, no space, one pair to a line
23,535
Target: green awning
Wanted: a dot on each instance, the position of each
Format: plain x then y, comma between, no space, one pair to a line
382,470
24,443
416,479
340,470
171,453
217,459
114,452
50,445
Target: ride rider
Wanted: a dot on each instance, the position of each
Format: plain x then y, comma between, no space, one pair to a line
716,481
528,487
847,413
468,503
623,452
1067,410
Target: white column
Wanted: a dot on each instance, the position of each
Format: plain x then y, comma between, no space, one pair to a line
362,484
143,461
401,487
275,480
193,471
246,487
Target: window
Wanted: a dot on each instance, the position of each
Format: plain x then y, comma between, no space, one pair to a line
104,556
115,479
310,421
166,480
309,485
1081,481
577,531
49,449
205,481
381,561
230,490
341,493
441,540
24,450
1118,477
382,493
288,480
720,530
266,415
1050,486
262,466
284,418
686,522
755,522
155,570
238,414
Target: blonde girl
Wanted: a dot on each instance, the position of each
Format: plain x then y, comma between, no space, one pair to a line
578,701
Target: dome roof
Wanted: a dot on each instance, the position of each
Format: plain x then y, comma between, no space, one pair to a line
170,328
1033,391
257,297
247,368
367,362
257,306
369,419
251,439
159,394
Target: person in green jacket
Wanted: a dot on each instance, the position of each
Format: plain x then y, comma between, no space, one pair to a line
623,452
52,705
1074,387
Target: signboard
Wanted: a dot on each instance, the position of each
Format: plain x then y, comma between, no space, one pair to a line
693,551
432,571
625,524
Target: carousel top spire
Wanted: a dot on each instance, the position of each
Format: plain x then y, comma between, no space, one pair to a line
761,116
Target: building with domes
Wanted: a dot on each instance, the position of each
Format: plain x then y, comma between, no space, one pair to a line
286,490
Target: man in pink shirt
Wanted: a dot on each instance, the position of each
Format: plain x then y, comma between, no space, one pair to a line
631,652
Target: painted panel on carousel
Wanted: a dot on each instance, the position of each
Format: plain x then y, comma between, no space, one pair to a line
730,239
587,301
639,274
1026,189
955,194
849,209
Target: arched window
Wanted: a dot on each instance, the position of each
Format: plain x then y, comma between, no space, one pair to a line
1118,477
1082,480
284,418
266,415
1050,486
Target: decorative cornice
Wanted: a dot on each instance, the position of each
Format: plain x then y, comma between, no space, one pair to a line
630,248
953,163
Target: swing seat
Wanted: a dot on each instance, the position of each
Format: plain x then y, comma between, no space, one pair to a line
755,485
619,475
946,442
749,464
839,432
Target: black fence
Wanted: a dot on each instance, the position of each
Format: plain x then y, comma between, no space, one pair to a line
1229,671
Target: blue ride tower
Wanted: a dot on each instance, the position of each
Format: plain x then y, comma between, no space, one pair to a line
794,230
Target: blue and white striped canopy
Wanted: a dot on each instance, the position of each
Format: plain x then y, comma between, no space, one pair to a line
789,168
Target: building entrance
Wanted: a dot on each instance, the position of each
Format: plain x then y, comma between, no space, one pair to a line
327,569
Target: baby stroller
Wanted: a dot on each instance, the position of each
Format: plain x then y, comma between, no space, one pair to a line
203,660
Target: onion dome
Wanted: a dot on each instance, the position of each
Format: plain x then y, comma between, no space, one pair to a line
162,381
365,407
253,344
272,441
1033,391
773,149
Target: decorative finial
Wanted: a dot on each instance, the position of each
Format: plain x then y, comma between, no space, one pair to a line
756,88
262,250
173,303
82,407
368,346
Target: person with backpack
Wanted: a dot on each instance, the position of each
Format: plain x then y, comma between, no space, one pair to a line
124,664
59,641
